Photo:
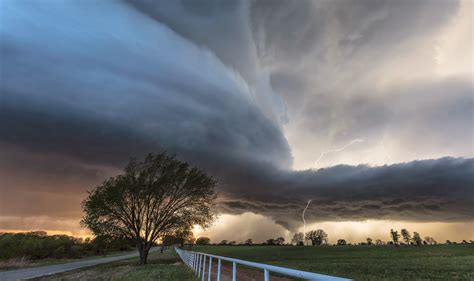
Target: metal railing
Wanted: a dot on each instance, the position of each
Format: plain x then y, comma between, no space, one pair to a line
197,262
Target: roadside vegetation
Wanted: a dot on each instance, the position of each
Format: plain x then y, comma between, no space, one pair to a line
160,266
18,250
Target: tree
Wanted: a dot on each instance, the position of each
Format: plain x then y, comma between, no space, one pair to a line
223,242
406,236
369,241
341,242
248,242
167,240
203,241
271,241
317,237
178,237
298,239
417,239
379,242
232,243
430,240
153,198
395,236
280,241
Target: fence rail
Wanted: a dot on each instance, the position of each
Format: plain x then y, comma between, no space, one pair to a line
197,262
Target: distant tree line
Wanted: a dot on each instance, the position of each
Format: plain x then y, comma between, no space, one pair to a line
39,245
319,237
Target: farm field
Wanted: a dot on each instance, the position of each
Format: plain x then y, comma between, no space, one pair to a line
440,262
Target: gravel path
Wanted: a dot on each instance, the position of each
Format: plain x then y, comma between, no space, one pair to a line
33,272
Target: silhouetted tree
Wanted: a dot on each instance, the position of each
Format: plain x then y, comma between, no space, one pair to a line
448,242
223,242
151,199
203,241
406,236
378,242
271,241
280,241
167,240
298,239
341,242
232,243
417,239
248,242
430,240
369,241
317,237
395,236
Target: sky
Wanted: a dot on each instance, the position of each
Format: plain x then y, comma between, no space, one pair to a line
364,107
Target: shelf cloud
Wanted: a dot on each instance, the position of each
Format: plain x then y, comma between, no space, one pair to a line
250,91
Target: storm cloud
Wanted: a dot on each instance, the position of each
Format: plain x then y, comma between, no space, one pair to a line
250,91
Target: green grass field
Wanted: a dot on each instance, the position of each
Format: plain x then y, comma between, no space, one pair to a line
440,262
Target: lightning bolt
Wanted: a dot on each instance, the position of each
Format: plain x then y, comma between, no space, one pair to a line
304,221
337,150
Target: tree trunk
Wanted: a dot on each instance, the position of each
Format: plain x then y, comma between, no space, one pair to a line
143,250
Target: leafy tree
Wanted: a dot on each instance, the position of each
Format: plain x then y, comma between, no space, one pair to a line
232,243
318,237
369,241
379,242
223,242
406,236
280,241
153,198
248,242
395,236
417,239
168,240
430,240
298,239
341,242
203,241
271,241
178,237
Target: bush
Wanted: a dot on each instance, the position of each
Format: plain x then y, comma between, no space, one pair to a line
38,245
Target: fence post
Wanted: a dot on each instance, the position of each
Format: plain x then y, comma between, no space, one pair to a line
266,275
210,268
199,266
219,270
195,262
234,271
203,267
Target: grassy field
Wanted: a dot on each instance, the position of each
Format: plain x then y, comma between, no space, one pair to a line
161,266
440,262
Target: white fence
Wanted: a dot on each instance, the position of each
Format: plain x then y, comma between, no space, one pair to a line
197,262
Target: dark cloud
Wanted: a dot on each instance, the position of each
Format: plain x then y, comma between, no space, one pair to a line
426,190
224,84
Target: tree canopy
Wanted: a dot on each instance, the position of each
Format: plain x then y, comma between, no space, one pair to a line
317,237
153,198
